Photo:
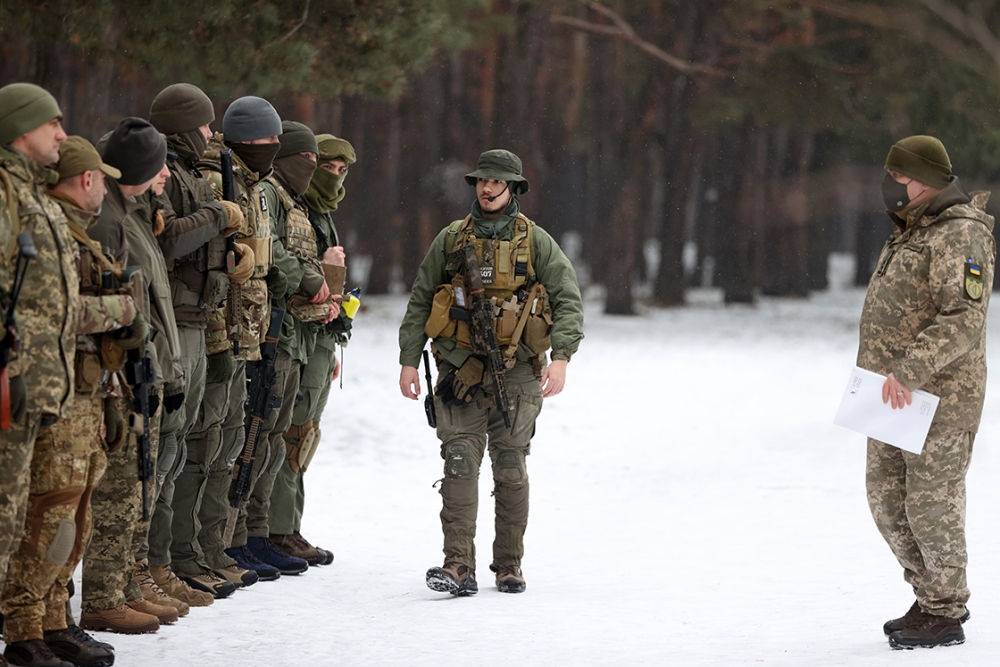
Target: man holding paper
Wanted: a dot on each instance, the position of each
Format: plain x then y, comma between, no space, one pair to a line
924,326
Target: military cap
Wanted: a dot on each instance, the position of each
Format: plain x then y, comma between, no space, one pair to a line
334,148
24,107
180,108
77,155
500,165
296,138
250,118
137,150
921,158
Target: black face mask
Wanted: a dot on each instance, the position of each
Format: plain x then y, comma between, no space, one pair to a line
894,194
257,157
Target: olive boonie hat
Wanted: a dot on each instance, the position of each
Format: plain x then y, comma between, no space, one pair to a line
77,155
922,158
500,165
333,148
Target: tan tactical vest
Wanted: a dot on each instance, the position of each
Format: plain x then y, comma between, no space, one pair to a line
300,242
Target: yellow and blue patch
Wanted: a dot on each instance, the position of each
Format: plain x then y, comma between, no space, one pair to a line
973,280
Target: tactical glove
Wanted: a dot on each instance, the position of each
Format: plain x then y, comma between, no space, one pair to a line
135,334
234,217
459,387
154,403
244,267
173,397
18,399
114,424
277,283
220,368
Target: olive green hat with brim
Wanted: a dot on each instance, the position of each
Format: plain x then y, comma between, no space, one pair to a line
23,108
77,155
921,158
335,148
500,165
296,138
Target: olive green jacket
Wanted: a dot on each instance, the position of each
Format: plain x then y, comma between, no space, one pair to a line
552,268
924,317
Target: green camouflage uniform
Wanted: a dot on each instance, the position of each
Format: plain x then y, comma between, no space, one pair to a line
47,317
924,320
466,431
67,464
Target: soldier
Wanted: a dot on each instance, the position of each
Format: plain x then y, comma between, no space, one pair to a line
306,298
250,128
69,458
39,374
326,191
537,305
111,599
924,327
196,226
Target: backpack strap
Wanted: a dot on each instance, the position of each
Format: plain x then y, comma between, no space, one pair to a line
13,204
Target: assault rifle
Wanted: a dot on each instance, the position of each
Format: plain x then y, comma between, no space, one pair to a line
482,326
11,341
429,398
261,402
234,313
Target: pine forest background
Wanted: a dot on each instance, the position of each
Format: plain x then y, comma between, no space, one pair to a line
735,144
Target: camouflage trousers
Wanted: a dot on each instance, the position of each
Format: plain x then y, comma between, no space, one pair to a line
16,447
270,455
119,530
288,498
67,464
465,433
172,454
201,490
918,503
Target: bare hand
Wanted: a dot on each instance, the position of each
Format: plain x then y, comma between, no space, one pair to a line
336,368
554,378
322,295
409,382
334,256
894,392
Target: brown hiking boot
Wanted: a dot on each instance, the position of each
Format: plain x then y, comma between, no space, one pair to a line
165,578
298,548
152,592
123,619
453,578
329,554
211,583
164,614
928,631
912,617
509,579
237,576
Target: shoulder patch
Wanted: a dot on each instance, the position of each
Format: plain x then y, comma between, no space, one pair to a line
263,203
973,280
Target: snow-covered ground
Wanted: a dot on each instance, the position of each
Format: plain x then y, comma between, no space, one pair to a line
692,504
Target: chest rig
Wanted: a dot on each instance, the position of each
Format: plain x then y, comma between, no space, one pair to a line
299,239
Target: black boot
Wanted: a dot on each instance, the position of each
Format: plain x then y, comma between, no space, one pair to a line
913,616
77,646
33,653
928,631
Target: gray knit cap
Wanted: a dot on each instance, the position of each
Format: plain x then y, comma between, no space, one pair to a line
250,118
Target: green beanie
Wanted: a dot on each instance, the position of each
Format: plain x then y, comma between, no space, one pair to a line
921,158
296,138
335,148
24,107
181,108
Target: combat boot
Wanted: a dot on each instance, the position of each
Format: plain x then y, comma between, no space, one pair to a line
165,578
326,552
122,619
509,579
248,561
928,631
264,550
237,575
76,646
913,616
33,653
454,578
296,548
152,592
164,614
209,582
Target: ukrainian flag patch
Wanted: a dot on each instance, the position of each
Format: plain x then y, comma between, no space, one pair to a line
973,280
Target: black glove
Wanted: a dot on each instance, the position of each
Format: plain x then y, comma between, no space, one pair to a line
135,334
154,403
173,402
220,368
277,283
18,399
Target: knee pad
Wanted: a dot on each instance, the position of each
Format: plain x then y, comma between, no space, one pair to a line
509,467
457,460
62,543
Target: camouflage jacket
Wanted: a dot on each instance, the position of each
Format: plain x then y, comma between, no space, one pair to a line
47,310
924,317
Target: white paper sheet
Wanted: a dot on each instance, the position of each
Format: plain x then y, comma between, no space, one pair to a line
863,411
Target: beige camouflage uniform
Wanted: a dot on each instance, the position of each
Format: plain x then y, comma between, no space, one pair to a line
924,320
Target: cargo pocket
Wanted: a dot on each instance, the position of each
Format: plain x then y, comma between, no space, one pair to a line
538,330
88,372
439,323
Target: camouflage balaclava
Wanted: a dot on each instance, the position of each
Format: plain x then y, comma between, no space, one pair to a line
326,190
179,111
